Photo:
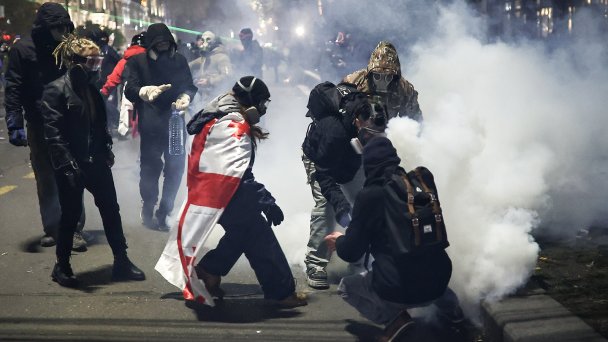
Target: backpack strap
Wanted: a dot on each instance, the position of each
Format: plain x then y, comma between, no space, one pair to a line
434,203
411,209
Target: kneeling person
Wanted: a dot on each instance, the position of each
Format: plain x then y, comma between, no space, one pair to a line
395,283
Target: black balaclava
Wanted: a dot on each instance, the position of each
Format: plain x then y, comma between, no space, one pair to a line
158,33
246,37
49,16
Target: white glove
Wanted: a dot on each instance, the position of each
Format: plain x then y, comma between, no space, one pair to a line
182,102
150,93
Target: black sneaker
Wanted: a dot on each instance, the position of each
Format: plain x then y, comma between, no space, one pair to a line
124,269
63,275
316,277
79,244
47,241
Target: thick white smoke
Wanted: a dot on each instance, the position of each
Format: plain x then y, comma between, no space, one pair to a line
512,132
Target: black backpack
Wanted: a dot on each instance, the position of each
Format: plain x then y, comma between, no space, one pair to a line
325,100
414,220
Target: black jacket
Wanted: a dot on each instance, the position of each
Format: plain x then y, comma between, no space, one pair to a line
334,158
75,125
31,66
144,71
412,280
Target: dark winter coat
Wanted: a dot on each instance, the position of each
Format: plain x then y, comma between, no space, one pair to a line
335,160
75,124
31,66
144,71
412,280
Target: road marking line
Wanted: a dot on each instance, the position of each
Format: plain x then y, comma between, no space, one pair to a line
29,176
6,189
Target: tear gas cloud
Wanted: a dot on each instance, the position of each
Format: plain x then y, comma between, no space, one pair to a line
512,132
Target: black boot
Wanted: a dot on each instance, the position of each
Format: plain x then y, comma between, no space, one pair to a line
124,269
146,216
63,275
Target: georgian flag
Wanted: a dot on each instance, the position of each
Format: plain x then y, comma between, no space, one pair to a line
217,159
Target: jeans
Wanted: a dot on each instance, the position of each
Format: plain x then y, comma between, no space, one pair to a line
322,216
153,149
46,185
251,234
97,178
357,291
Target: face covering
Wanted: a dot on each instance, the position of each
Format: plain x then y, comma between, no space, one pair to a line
58,33
81,76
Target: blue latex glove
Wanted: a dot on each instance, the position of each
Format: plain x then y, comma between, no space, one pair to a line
344,220
17,137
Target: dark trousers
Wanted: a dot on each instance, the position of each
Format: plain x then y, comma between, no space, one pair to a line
98,180
153,149
252,235
46,185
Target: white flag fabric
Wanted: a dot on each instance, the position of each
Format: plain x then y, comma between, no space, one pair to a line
218,156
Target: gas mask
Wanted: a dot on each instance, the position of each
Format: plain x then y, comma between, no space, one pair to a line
208,41
162,51
381,82
254,113
370,128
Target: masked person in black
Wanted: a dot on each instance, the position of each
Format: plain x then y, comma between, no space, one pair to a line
395,282
158,81
81,153
251,58
333,167
32,66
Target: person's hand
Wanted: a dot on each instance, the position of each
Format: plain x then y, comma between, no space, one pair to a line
330,240
203,82
182,102
274,214
17,137
110,159
150,93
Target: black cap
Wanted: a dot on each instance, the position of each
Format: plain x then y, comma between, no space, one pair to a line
139,39
250,91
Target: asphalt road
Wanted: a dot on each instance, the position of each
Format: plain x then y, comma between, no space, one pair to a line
32,307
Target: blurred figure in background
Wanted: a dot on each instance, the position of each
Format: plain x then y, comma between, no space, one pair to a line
251,58
211,71
110,59
31,66
159,81
118,76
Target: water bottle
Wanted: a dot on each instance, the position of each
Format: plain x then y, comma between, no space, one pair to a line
176,134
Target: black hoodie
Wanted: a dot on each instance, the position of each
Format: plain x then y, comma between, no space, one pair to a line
144,71
415,280
31,66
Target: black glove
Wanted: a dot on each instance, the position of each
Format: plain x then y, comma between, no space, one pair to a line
17,137
110,159
274,214
72,175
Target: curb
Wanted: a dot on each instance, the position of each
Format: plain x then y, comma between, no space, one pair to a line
534,318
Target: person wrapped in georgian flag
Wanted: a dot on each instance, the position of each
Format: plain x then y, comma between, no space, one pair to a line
222,189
